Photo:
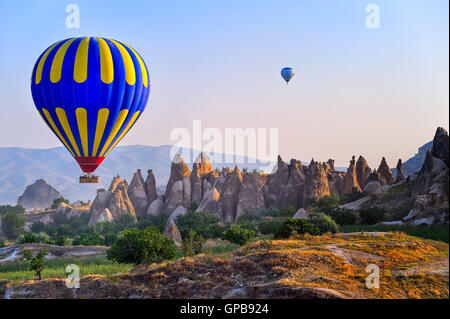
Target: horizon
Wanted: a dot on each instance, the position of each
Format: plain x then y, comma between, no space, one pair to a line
227,74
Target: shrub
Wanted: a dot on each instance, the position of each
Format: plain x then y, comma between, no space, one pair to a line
325,223
28,238
2,243
354,195
371,215
344,216
299,226
89,239
110,238
269,212
127,219
327,203
246,224
18,209
38,227
238,235
12,225
159,220
192,244
268,226
58,201
37,262
138,246
61,241
200,222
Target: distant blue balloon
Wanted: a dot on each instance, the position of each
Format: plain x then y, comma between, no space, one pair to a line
287,74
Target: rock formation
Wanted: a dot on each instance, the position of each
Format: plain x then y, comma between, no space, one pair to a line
293,192
155,207
400,176
178,171
301,214
385,172
316,182
201,169
350,179
362,171
38,195
150,186
171,231
138,195
441,145
180,194
209,201
115,199
226,207
251,195
275,184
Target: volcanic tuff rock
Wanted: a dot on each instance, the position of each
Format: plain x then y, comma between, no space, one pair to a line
138,195
301,214
150,186
178,171
316,183
229,196
38,195
155,207
441,145
275,184
385,172
362,171
350,179
293,192
180,194
201,169
115,199
251,195
171,231
400,176
209,201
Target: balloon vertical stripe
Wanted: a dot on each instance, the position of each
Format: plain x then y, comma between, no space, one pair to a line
81,61
102,118
55,71
83,130
55,129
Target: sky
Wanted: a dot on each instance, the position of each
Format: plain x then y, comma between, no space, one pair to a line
357,90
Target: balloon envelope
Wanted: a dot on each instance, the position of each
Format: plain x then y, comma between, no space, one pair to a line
90,92
287,74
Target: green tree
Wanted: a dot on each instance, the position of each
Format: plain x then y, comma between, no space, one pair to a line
344,216
37,262
201,222
18,209
12,225
58,201
298,226
38,227
372,215
325,223
138,246
238,235
89,239
192,244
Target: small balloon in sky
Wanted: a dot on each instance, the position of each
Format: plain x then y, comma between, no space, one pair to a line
287,74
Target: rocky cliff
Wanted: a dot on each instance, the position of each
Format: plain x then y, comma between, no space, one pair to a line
38,195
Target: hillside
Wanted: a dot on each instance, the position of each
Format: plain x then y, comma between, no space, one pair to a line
328,266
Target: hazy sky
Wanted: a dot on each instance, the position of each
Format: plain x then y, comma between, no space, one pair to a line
375,92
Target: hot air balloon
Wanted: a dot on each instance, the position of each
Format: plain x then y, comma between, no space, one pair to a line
287,74
90,92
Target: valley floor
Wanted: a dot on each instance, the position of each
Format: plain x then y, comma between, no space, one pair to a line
328,266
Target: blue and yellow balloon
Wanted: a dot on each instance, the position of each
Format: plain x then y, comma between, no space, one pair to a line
90,92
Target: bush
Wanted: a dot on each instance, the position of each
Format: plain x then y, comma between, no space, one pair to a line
38,227
193,244
268,226
344,216
325,223
238,235
372,215
28,238
110,238
327,203
298,226
18,209
12,225
201,222
159,220
355,195
269,212
36,263
138,246
61,241
58,201
2,243
90,239
246,224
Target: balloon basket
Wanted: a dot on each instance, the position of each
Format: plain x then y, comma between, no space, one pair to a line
88,179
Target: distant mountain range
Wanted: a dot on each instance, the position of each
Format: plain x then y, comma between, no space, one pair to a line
20,167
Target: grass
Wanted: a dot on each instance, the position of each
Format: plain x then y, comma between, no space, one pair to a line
55,268
428,232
